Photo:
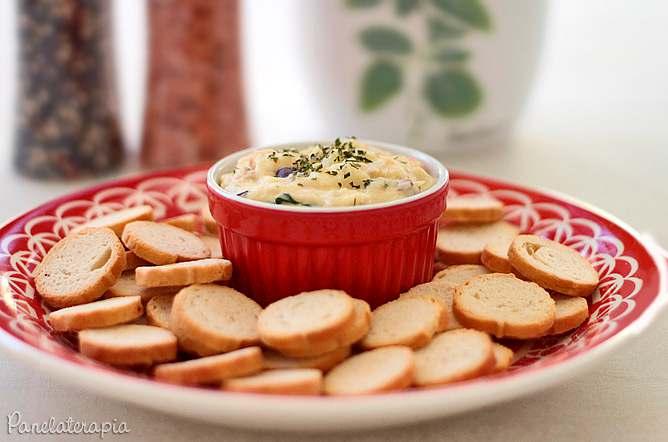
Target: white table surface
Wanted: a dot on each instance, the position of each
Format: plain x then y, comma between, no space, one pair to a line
597,128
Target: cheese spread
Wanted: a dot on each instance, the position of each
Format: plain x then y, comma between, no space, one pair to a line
343,173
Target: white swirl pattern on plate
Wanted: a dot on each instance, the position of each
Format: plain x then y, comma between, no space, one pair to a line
170,196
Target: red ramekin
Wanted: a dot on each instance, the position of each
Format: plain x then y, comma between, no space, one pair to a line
373,252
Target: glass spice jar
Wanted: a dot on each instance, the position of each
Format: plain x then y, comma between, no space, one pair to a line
67,123
194,110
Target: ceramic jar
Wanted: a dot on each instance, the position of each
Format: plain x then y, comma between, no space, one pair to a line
439,75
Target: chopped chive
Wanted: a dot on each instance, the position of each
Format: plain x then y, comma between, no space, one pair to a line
286,198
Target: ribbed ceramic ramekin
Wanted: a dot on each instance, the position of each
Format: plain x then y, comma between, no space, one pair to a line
373,252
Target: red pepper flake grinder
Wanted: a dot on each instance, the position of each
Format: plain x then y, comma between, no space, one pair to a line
194,110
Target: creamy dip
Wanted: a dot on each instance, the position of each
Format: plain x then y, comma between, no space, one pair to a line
344,173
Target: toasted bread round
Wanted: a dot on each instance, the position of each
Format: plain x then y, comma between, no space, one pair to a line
302,381
459,274
213,243
455,355
382,369
503,357
210,223
116,221
495,254
188,221
159,310
324,362
442,293
311,317
505,306
201,271
473,209
360,325
570,312
409,321
162,244
127,286
355,331
211,369
132,261
210,319
97,314
129,344
464,243
347,337
80,267
553,265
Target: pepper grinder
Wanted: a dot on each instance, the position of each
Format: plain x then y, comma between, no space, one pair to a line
67,123
194,110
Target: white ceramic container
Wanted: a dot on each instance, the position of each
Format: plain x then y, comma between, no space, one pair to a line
439,75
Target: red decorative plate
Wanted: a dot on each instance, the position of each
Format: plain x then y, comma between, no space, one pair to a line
633,289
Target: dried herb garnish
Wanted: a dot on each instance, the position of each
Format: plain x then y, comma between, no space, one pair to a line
244,193
286,198
343,152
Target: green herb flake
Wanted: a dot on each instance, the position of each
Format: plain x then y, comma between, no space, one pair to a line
272,156
286,198
339,151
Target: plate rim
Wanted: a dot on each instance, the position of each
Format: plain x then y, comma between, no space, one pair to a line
278,411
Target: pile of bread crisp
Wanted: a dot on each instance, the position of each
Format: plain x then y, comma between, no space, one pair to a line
135,292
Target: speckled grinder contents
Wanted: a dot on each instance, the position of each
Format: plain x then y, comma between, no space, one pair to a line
194,109
66,123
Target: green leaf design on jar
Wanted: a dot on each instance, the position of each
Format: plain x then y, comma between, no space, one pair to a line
452,92
386,39
381,81
447,89
361,3
405,7
440,29
471,12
